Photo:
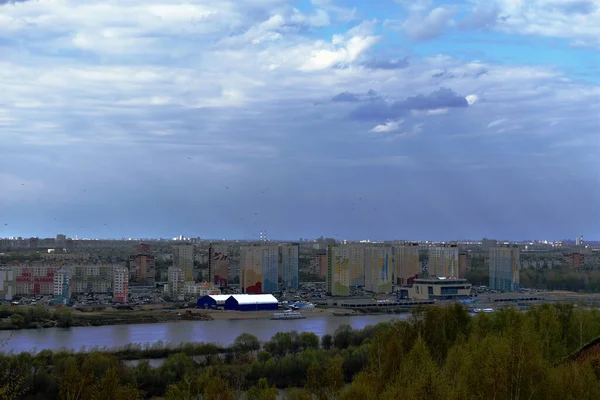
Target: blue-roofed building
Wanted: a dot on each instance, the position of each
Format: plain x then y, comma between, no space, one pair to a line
251,302
212,301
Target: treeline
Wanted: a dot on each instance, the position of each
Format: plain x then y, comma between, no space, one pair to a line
33,317
439,353
561,279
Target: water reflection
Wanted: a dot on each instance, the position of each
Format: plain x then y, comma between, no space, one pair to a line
223,332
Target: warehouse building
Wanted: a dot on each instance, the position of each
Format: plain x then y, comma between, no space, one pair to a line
251,302
213,300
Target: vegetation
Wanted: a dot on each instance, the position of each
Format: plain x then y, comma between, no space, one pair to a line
439,353
34,317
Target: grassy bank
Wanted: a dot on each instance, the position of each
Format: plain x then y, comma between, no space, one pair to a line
12,318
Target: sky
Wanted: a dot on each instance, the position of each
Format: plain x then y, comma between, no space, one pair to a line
353,119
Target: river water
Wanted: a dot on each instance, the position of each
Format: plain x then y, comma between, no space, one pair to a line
218,331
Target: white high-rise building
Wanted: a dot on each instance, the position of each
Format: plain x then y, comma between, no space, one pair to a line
62,283
121,285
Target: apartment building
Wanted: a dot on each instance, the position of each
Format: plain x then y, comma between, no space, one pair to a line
218,264
504,262
443,261
378,269
93,277
183,257
120,285
142,268
176,283
406,262
290,262
338,270
62,283
259,267
7,283
34,278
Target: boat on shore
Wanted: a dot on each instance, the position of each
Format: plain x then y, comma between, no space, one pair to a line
288,314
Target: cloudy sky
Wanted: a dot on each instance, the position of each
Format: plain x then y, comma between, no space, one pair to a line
386,119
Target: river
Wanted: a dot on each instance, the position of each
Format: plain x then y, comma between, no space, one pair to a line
218,331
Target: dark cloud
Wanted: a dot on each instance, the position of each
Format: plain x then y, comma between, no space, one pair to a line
377,109
443,74
345,97
575,7
386,64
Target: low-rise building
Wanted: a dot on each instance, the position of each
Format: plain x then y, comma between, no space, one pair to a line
437,289
200,289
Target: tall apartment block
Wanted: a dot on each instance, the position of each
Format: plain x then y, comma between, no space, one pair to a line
176,283
464,263
356,254
183,257
142,268
62,284
406,262
378,269
443,261
259,267
504,265
338,270
7,283
318,265
218,264
290,263
120,285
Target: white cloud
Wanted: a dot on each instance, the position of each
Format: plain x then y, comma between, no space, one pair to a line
428,26
497,122
389,126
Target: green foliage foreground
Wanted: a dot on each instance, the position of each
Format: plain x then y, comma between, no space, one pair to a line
439,353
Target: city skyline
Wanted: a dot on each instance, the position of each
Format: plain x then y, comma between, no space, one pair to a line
350,119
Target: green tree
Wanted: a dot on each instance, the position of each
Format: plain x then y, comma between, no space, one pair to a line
246,343
262,391
326,379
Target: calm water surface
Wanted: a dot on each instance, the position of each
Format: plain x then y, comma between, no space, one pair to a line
223,332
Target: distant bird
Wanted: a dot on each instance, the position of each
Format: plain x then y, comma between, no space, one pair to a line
226,187
255,213
22,184
189,158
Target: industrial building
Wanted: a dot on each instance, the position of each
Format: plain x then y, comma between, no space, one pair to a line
437,289
212,301
251,302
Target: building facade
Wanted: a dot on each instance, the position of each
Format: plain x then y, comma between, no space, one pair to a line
338,270
464,263
218,264
259,267
438,289
62,283
356,254
183,257
504,262
406,262
176,283
7,283
93,277
443,261
142,268
290,262
121,285
34,278
378,269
